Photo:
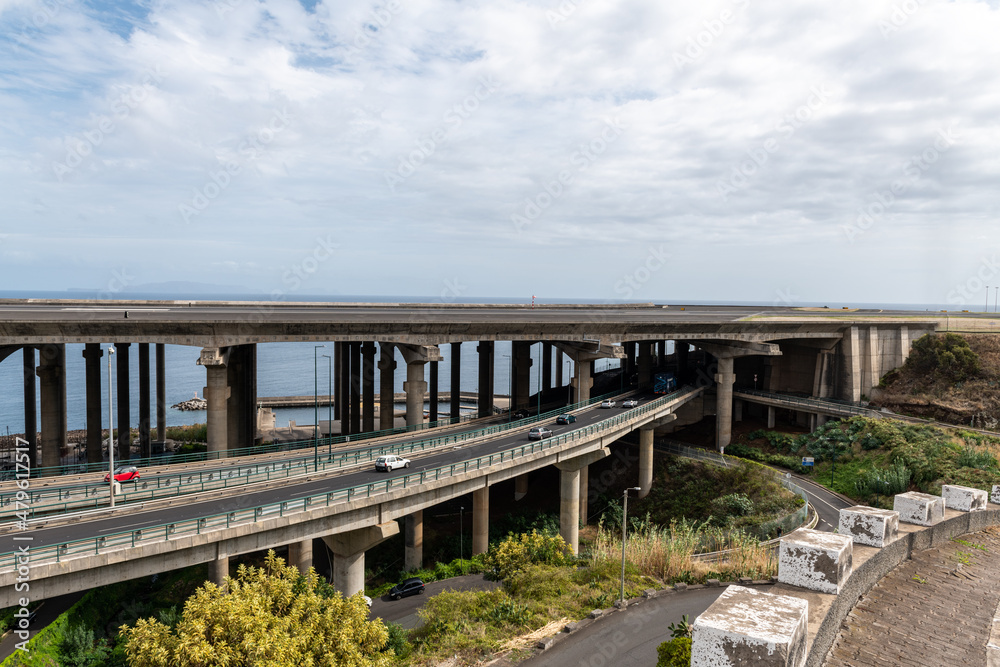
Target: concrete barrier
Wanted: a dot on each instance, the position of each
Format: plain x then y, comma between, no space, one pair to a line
963,498
815,560
919,508
748,627
869,525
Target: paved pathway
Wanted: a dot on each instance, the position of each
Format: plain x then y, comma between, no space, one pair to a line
934,610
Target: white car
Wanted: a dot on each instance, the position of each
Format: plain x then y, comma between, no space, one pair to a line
607,404
630,403
391,462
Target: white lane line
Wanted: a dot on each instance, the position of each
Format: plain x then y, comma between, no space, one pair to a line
112,310
131,527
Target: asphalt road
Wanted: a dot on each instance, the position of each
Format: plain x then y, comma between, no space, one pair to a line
247,498
404,611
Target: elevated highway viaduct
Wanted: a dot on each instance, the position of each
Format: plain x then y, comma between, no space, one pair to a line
351,509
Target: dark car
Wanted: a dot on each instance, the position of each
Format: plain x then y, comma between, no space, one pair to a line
408,587
565,419
124,474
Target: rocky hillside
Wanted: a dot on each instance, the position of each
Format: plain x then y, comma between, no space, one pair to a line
948,381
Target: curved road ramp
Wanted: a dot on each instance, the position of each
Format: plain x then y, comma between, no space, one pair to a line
821,576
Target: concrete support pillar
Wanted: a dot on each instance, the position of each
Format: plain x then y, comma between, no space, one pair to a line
521,360
645,363
241,404
368,387
850,349
770,416
485,400
124,402
161,392
338,381
737,410
904,346
433,399
872,365
413,540
216,393
30,405
456,381
569,507
724,403
52,374
683,349
546,367
92,353
582,381
480,520
355,387
349,554
629,358
343,386
560,364
300,555
218,570
645,461
415,388
584,495
520,486
145,450
386,397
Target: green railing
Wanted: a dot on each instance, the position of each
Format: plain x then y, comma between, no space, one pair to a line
83,496
168,531
813,404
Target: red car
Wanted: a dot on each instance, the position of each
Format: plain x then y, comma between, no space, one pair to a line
124,474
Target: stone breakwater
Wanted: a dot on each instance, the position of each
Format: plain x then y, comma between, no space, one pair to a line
191,405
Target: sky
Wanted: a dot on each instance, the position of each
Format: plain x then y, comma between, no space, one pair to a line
641,150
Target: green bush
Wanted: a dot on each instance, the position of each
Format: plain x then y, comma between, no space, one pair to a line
78,648
887,482
732,504
946,357
517,552
975,458
674,653
398,641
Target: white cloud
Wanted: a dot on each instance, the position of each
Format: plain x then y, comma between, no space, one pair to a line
745,128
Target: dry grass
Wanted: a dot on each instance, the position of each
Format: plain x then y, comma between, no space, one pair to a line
668,554
526,640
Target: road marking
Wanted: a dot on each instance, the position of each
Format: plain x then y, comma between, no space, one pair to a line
113,310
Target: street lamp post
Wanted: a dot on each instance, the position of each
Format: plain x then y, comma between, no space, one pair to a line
995,291
987,298
624,526
316,407
461,532
111,431
329,417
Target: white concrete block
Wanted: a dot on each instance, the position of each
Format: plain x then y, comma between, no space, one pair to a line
963,498
748,627
919,508
869,525
995,496
815,560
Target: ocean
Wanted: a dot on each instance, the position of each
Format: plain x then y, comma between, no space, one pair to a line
283,369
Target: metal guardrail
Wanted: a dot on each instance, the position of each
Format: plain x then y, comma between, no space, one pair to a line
167,531
796,518
83,496
817,405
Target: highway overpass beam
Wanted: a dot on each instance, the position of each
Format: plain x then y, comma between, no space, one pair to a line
413,541
161,392
480,520
386,397
368,387
124,404
300,555
52,374
415,386
30,405
92,354
485,400
145,451
570,495
349,554
216,393
456,380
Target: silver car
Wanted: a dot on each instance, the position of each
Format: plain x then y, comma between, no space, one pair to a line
539,432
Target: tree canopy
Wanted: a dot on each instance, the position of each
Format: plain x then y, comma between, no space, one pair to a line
271,616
